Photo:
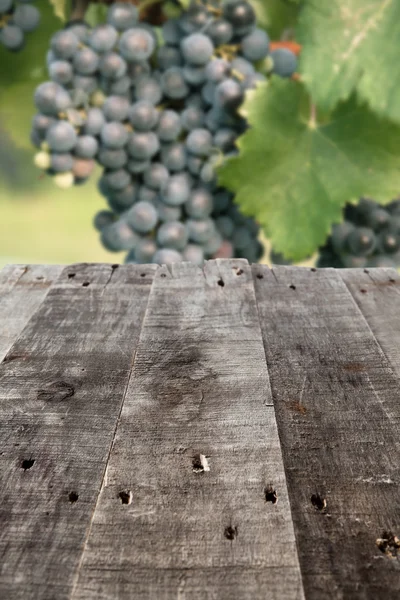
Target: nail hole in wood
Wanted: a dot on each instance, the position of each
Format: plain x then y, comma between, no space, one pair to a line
71,275
27,464
143,275
366,271
114,266
73,497
313,269
85,284
363,291
292,287
221,282
240,272
392,280
163,275
318,502
200,463
125,497
230,532
270,495
260,276
389,544
39,278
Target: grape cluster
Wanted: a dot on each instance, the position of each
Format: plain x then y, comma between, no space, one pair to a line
368,237
158,118
17,17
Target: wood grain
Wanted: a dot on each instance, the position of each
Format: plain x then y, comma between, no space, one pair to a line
22,290
163,527
338,411
62,386
377,294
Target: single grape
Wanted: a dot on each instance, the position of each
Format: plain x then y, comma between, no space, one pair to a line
41,123
242,238
42,160
156,176
388,242
136,45
255,46
340,233
208,93
136,70
148,89
103,38
240,14
217,70
177,190
64,180
194,18
174,156
143,145
94,121
222,200
147,194
192,118
200,230
199,142
112,159
143,116
377,219
195,164
172,234
51,99
118,236
6,6
61,137
243,67
122,16
225,226
121,200
361,241
114,135
79,28
26,17
117,179
61,72
86,146
112,65
220,31
166,256
173,83
116,108
285,62
144,250
142,217
200,204
102,219
197,49
169,126
61,162
64,44
194,76
86,61
118,87
228,95
213,244
87,83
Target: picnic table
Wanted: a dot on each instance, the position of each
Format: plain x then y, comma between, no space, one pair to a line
230,432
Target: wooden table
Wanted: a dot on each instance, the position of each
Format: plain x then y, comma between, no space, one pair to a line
231,433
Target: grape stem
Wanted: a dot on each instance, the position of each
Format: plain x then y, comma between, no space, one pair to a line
312,123
78,10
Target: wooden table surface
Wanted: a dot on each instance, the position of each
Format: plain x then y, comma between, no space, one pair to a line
226,433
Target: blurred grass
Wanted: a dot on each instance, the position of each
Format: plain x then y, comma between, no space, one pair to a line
53,227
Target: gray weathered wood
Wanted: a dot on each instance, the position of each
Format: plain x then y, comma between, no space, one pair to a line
377,294
61,390
338,411
199,386
22,289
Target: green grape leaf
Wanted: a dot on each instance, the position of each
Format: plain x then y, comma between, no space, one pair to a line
60,8
294,176
96,14
184,3
351,45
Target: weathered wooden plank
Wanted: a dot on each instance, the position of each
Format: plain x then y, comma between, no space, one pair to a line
61,390
199,387
377,294
22,289
337,405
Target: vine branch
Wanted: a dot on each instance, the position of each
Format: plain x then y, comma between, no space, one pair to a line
78,10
